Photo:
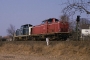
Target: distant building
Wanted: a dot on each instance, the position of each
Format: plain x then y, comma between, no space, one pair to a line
85,30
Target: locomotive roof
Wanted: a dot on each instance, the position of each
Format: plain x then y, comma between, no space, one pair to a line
50,19
27,25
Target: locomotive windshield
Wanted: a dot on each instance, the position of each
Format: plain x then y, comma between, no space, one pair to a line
56,20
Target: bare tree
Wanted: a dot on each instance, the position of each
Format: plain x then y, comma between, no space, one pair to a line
74,6
84,21
11,31
64,17
0,38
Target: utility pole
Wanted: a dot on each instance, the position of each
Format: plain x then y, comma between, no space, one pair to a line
77,27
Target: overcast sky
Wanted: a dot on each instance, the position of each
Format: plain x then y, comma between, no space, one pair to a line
19,12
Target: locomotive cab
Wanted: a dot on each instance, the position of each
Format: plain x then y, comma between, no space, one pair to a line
50,20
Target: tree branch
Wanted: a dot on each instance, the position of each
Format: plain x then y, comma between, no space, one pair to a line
71,8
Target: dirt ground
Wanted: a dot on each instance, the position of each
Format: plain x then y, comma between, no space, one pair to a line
38,50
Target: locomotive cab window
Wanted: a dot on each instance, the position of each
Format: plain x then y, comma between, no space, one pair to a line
50,20
43,22
56,20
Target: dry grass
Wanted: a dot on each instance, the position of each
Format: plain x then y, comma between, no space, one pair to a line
56,48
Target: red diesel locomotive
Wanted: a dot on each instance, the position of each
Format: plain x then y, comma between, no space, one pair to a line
52,28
